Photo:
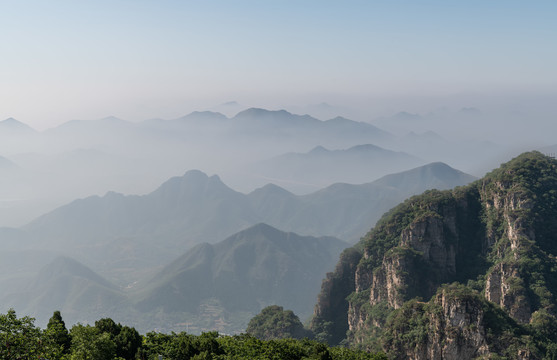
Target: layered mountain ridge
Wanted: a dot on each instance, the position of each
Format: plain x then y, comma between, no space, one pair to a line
210,286
194,208
259,265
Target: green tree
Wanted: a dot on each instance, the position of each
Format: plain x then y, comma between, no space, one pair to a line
57,340
155,344
89,343
273,322
128,342
19,338
126,339
107,325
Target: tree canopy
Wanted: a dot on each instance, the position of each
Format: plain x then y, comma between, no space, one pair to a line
20,339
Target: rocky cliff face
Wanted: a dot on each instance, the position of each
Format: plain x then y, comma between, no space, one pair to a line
454,324
424,243
509,234
486,235
330,315
455,330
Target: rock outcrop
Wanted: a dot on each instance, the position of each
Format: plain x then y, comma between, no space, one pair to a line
493,237
455,324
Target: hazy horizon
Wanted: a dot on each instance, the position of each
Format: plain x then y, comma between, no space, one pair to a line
139,59
101,217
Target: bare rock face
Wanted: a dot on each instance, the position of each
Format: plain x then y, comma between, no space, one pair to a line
463,335
504,282
504,287
331,311
451,327
428,237
427,243
453,331
388,283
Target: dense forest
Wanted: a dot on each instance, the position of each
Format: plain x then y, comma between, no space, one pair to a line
106,340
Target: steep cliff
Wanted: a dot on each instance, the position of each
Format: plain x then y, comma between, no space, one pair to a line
496,236
457,323
331,312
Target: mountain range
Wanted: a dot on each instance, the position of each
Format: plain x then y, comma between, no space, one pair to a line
219,285
80,158
134,242
254,268
116,231
84,157
319,167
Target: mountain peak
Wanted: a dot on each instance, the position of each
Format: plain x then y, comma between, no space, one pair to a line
437,175
111,119
259,112
272,189
195,174
194,184
10,120
203,116
528,165
365,148
11,123
262,227
319,150
339,119
66,266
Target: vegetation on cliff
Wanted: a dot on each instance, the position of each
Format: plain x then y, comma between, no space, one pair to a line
495,240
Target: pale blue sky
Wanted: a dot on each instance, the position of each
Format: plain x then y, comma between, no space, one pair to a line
62,60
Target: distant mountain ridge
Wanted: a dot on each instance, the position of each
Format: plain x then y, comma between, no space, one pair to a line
320,166
195,196
70,286
235,277
255,267
133,157
14,126
184,211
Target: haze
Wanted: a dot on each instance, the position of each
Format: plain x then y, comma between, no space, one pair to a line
478,77
130,121
144,59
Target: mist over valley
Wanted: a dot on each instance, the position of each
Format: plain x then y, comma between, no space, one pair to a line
352,180
98,227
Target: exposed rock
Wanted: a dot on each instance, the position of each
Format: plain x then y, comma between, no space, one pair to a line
450,327
505,287
496,235
331,312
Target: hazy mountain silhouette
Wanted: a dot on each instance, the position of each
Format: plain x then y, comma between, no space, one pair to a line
140,231
74,289
181,208
432,176
16,137
12,127
337,132
253,268
321,167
